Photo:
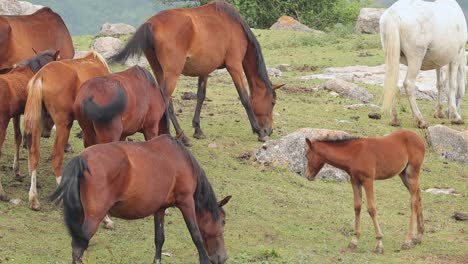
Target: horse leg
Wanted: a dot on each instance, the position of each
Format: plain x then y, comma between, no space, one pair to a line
357,191
187,207
159,235
32,143
453,90
3,127
438,112
369,188
61,139
461,80
410,178
18,139
236,72
201,94
414,66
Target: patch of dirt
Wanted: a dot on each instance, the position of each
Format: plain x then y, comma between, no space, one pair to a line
460,216
189,96
246,155
446,259
306,68
375,116
297,90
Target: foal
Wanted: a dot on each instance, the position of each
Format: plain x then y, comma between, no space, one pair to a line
366,160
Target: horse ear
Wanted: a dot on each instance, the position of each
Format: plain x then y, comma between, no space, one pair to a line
309,143
35,51
277,86
57,55
224,201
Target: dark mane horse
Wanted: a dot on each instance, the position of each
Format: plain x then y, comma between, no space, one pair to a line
21,36
197,41
133,180
13,95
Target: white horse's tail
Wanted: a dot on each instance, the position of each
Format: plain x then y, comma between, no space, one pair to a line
390,36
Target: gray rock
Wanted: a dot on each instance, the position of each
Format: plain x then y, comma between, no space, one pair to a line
347,89
80,54
291,24
289,152
445,191
107,46
284,67
16,201
357,106
274,72
213,145
449,143
17,8
132,61
368,20
110,29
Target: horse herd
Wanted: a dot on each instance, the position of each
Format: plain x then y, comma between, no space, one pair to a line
133,180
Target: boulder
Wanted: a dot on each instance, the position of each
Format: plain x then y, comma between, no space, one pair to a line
80,54
368,20
449,143
291,24
273,72
347,89
132,61
117,29
107,46
289,152
16,8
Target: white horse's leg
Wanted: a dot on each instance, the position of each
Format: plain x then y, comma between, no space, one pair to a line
453,90
440,85
414,65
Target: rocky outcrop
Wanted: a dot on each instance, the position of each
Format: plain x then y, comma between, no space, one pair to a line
107,46
449,143
16,8
291,24
289,152
117,29
368,20
347,89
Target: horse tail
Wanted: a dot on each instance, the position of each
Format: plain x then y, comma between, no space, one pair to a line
68,191
390,36
142,40
104,114
33,110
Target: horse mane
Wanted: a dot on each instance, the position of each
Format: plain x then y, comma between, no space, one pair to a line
204,195
145,73
95,55
234,14
37,62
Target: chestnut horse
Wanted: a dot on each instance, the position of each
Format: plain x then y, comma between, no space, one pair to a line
365,160
42,30
133,180
115,106
197,41
52,92
13,94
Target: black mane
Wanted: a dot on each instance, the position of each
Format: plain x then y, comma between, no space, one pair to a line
37,62
338,140
261,67
204,195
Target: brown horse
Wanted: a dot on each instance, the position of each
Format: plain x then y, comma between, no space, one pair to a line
135,180
197,41
130,102
365,160
42,30
52,92
13,94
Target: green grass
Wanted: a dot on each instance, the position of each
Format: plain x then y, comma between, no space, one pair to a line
275,216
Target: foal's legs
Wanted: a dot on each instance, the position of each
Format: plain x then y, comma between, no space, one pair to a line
357,191
201,93
369,188
414,65
440,85
3,127
159,235
18,139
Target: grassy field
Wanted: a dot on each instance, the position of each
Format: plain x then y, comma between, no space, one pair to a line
275,216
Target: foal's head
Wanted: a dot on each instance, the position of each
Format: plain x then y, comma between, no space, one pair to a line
262,107
314,161
212,231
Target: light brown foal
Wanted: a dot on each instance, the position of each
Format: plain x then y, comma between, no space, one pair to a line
365,160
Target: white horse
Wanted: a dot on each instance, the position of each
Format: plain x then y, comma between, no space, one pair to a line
424,36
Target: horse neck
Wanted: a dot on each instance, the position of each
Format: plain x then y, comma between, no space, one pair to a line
337,154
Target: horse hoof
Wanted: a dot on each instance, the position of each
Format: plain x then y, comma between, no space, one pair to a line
407,245
199,135
416,241
109,226
395,123
378,250
19,178
35,206
186,141
458,122
352,246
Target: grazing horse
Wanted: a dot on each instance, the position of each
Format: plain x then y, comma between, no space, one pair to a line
21,35
112,107
51,92
13,94
133,180
425,36
365,160
197,41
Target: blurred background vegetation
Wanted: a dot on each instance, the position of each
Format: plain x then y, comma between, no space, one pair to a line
85,17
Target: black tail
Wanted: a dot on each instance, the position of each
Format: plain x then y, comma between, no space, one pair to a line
141,40
103,114
69,192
